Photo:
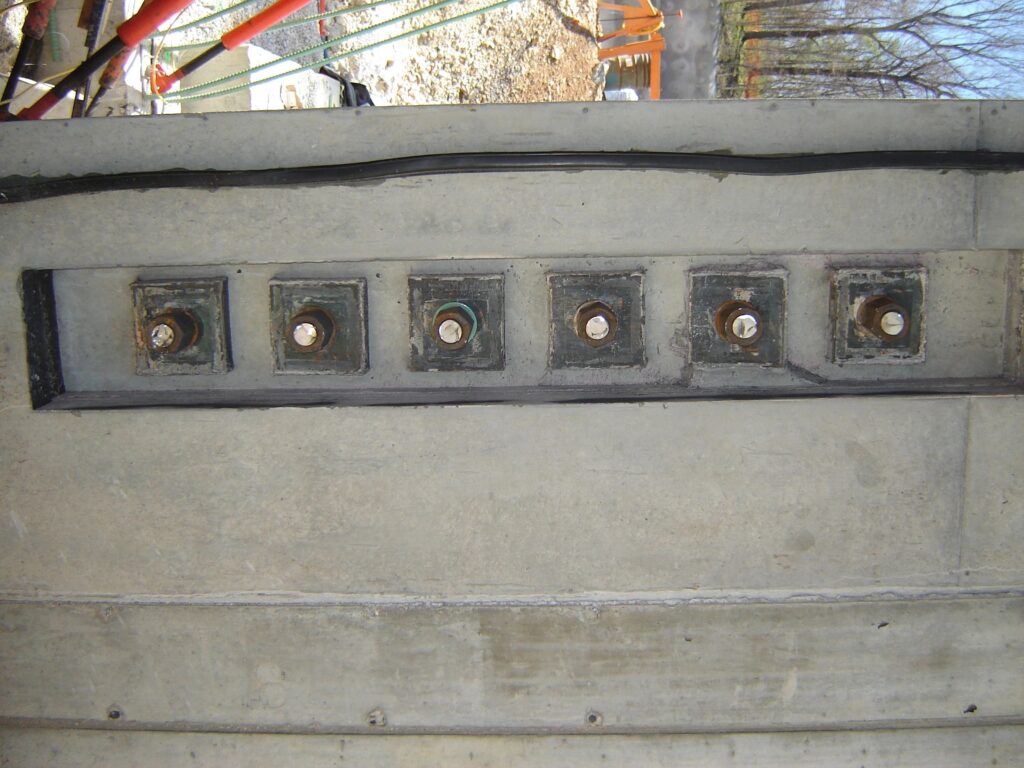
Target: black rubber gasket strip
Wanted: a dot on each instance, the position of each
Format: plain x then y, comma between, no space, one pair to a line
20,189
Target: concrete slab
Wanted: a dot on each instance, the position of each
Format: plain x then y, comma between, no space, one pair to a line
484,499
966,316
999,220
994,500
911,748
635,669
546,215
1001,125
314,137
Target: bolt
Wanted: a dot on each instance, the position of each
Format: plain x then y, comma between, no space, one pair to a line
311,329
305,334
161,336
884,318
595,323
892,323
173,330
449,331
598,327
745,326
454,325
739,323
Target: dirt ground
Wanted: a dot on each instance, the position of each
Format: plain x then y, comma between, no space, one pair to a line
527,52
532,50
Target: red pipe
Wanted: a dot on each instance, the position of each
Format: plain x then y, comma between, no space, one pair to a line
263,20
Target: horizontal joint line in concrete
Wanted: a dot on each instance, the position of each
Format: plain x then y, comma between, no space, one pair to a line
345,730
652,599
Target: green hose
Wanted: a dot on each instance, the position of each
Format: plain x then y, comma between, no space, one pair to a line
204,19
338,57
184,93
288,23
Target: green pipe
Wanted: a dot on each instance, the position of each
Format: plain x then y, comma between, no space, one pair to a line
289,23
338,57
204,19
313,49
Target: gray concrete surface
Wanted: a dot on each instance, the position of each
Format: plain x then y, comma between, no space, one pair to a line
966,314
316,137
534,669
908,748
843,567
689,496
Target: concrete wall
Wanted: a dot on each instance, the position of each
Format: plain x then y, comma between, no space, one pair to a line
812,581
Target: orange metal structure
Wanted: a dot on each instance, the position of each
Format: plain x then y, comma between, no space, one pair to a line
644,21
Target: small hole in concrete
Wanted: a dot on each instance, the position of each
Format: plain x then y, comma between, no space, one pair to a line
594,718
971,709
114,713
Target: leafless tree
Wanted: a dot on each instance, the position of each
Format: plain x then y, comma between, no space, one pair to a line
930,48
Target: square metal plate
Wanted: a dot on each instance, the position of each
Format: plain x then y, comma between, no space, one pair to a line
340,304
620,292
203,299
484,295
852,342
765,291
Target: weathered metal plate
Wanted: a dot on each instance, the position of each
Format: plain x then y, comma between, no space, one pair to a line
854,343
485,295
765,291
623,294
344,301
206,301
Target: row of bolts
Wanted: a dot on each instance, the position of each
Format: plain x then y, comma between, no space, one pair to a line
455,325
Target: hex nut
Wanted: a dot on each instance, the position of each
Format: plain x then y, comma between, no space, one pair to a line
460,314
739,323
596,324
875,315
171,331
323,329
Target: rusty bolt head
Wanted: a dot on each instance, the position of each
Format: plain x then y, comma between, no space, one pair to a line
596,324
310,329
453,327
884,318
161,336
171,331
738,322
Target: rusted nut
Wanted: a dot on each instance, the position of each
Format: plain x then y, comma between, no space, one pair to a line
596,324
454,325
310,330
738,322
173,330
884,318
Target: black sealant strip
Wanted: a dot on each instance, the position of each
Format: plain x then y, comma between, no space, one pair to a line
19,189
45,381
519,395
